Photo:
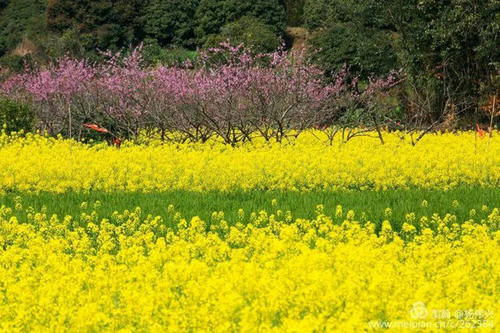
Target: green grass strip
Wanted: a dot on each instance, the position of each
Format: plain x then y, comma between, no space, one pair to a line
301,204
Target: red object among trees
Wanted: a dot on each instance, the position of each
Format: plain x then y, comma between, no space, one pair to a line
480,131
117,142
96,128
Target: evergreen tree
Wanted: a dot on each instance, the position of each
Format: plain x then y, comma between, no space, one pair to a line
171,21
212,15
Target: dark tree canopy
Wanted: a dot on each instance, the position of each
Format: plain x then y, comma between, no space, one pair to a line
295,12
212,15
20,19
103,23
367,51
453,43
249,31
171,21
351,32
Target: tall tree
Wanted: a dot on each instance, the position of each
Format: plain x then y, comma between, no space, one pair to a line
20,19
60,14
452,44
351,32
295,12
212,15
171,21
102,23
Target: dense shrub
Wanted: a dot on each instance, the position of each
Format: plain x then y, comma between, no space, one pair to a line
20,19
367,50
295,12
55,46
250,32
447,49
171,21
212,15
154,54
15,116
102,24
60,14
323,13
350,32
14,63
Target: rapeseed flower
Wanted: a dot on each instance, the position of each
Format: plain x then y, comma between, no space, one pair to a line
441,161
265,273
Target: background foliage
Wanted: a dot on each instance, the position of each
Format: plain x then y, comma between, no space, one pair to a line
15,117
447,49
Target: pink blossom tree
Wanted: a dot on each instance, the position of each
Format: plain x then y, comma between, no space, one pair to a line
228,92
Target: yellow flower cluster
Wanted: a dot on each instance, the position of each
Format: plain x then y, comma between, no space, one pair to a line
441,161
262,272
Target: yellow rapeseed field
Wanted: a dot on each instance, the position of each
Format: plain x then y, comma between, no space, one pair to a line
441,161
263,272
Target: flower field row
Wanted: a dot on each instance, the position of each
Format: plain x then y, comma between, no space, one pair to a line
263,271
441,161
